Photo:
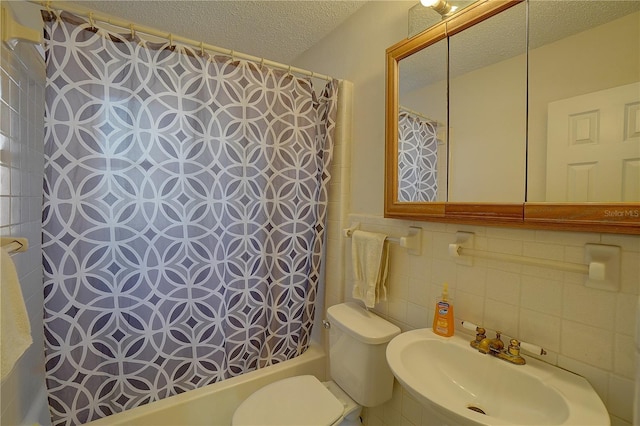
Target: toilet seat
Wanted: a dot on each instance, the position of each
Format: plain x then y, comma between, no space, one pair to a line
295,401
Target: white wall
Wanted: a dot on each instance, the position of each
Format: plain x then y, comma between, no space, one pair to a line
21,169
356,52
587,331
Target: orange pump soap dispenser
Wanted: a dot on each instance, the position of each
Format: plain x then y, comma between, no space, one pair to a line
443,322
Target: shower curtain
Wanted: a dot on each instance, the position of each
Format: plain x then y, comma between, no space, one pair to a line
185,199
417,158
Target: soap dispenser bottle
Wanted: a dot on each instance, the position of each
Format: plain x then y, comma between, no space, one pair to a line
443,321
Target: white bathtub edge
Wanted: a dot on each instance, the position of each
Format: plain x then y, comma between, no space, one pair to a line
214,404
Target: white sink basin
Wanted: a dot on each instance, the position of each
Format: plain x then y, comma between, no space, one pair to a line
452,378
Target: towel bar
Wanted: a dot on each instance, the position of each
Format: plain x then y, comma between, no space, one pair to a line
412,241
14,244
602,262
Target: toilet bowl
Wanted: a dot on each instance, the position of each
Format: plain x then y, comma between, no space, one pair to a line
361,377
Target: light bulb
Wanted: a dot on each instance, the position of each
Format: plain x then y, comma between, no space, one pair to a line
443,7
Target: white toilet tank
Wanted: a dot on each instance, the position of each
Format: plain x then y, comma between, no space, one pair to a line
357,343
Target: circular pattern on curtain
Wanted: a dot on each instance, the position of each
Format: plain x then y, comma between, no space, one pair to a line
184,212
417,158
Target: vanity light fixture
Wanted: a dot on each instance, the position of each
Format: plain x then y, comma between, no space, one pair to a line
443,7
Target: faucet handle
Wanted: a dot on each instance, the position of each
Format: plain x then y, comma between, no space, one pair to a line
514,347
481,333
469,325
534,349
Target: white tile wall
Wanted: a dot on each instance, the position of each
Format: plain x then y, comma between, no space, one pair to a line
585,330
21,171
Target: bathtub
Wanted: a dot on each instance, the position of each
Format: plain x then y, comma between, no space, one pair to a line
214,404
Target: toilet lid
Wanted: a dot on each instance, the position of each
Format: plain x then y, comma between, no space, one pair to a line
296,401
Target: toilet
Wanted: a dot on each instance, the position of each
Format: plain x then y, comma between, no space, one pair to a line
360,377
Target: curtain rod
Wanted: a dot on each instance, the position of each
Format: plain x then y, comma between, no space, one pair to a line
410,111
129,26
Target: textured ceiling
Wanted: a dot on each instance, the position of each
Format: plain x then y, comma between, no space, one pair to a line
504,36
271,29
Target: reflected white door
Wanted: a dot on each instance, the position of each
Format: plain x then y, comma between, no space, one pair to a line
593,147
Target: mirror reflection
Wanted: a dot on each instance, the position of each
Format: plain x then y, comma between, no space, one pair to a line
487,109
584,101
422,123
574,128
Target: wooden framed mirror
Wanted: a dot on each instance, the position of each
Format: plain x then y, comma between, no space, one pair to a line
486,91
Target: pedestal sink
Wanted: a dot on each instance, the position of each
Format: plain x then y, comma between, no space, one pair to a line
464,387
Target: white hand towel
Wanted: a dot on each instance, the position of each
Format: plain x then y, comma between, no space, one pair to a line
14,322
370,258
